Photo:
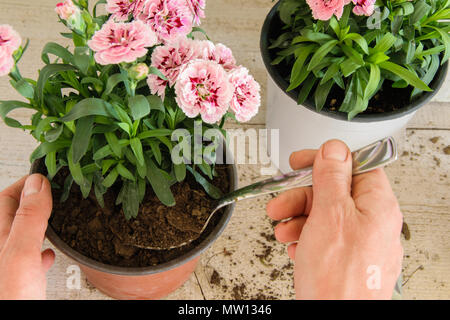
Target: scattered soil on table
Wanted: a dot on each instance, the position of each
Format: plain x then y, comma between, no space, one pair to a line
104,234
434,139
447,150
405,231
215,278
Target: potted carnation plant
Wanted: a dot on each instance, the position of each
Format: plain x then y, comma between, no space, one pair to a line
110,115
355,70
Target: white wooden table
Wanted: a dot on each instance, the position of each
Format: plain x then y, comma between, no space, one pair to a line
248,262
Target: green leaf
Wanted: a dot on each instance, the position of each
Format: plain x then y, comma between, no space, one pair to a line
429,75
159,183
353,54
113,142
112,82
75,169
88,107
139,107
348,67
82,137
157,72
156,103
321,53
68,182
405,74
180,171
306,88
8,106
46,147
82,59
54,133
57,50
24,88
136,146
385,43
374,80
124,172
445,39
156,151
48,71
154,133
421,8
107,151
321,94
362,43
50,163
299,70
210,189
111,178
130,199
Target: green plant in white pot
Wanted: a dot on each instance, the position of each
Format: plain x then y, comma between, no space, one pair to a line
353,70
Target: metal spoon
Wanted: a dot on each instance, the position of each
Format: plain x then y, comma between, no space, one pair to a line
376,155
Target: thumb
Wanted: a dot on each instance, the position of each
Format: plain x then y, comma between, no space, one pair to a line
332,175
31,219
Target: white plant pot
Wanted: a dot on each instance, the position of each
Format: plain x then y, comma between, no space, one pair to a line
300,128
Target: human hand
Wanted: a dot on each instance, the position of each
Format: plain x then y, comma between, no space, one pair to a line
347,228
25,208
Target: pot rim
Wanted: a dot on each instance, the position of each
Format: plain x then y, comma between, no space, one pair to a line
142,271
436,84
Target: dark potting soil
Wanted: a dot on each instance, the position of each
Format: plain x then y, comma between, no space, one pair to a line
104,234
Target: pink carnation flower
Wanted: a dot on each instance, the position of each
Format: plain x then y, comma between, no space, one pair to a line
169,59
198,9
122,9
203,88
325,9
66,9
122,42
364,7
246,98
169,19
10,41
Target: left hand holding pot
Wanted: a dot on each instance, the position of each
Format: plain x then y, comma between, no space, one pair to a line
25,208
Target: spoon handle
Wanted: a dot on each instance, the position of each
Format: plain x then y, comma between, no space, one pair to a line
376,155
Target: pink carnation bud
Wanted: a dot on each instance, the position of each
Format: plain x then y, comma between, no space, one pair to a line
203,88
246,98
325,9
122,42
66,9
138,72
169,19
364,7
70,13
10,41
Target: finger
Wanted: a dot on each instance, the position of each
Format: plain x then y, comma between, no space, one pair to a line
291,250
290,231
48,258
9,202
30,222
373,193
290,204
332,175
302,159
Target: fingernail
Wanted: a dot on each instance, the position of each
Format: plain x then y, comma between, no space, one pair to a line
335,150
33,185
